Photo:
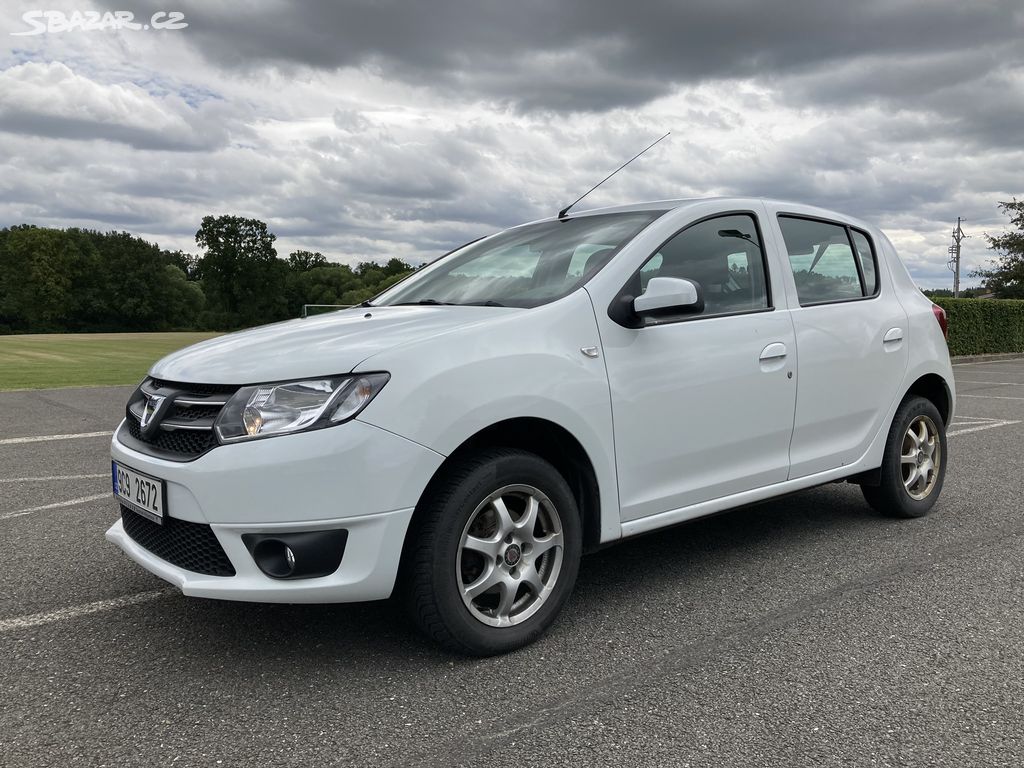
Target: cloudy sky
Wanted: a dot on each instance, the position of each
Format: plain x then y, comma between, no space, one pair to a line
374,129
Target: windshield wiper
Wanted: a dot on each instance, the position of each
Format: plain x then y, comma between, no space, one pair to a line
436,303
425,302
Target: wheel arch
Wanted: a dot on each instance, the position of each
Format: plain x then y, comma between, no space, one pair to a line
934,388
553,443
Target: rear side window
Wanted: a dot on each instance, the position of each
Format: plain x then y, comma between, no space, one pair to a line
867,261
723,255
825,265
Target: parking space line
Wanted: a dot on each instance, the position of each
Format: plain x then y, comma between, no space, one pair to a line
986,372
56,505
1010,361
993,383
62,614
981,427
46,438
991,397
51,477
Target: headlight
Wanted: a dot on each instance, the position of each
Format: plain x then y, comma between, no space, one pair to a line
264,410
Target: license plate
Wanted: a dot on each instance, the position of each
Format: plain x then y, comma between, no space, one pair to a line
140,493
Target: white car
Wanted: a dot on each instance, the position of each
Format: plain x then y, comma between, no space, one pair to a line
465,436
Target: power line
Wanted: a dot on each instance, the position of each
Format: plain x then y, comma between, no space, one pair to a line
954,257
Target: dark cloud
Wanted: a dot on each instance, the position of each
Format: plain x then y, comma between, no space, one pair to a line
586,55
66,127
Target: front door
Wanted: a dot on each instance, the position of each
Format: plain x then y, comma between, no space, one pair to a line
703,403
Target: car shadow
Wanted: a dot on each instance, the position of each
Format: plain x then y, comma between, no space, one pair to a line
368,635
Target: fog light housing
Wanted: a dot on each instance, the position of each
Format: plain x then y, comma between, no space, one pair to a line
305,555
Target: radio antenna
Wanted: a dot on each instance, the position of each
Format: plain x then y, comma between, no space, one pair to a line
564,211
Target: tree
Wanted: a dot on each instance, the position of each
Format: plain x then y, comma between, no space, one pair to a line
1005,276
35,281
186,262
303,261
243,279
182,300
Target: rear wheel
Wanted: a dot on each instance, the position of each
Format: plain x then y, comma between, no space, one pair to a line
914,463
494,553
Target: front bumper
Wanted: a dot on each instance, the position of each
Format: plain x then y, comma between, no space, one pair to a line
354,476
367,571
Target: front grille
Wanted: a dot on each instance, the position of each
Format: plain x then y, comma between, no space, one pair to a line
192,546
183,429
182,443
194,389
195,412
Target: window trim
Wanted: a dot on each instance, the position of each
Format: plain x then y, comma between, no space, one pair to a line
874,260
853,249
672,320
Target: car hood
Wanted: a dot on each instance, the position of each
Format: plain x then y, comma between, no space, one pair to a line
318,346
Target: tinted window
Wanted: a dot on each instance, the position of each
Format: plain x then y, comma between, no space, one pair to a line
867,261
723,255
822,259
523,267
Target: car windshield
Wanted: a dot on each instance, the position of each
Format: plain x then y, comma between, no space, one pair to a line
523,267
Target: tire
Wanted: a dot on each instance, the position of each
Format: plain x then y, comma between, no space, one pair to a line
902,492
460,538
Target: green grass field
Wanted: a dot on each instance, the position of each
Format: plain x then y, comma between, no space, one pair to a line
39,361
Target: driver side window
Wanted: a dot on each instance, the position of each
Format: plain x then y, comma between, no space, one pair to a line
723,256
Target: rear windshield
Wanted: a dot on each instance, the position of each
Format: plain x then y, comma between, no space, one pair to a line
523,267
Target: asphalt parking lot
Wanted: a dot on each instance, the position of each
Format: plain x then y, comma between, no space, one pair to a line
806,631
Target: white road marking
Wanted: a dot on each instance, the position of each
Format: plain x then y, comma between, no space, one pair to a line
990,397
51,477
994,383
38,619
56,505
980,427
988,372
991,362
46,438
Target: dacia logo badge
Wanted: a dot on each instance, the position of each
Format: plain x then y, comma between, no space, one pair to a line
152,407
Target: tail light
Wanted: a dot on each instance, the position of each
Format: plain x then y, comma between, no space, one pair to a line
940,316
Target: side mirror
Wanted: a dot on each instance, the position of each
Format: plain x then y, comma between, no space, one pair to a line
669,295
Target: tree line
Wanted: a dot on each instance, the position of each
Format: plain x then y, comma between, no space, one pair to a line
77,280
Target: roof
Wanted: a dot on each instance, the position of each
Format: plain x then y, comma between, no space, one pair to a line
668,205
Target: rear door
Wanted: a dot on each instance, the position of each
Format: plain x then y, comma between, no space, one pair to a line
851,339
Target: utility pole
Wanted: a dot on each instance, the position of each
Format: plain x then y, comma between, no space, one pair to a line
954,257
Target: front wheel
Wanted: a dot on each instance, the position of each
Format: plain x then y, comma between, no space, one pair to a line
914,462
493,553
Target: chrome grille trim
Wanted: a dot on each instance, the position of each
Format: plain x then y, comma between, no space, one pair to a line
182,428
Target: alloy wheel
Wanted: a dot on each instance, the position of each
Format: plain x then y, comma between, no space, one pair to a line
510,556
920,457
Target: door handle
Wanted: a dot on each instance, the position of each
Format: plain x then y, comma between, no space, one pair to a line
893,334
773,351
